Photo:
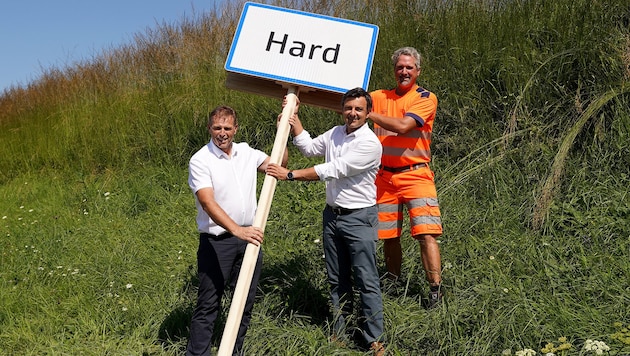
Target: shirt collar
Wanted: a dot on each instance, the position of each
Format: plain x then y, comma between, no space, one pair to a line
358,132
219,152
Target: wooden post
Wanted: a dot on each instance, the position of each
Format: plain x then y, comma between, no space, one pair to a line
246,273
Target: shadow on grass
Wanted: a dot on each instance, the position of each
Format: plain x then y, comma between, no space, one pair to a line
174,330
299,287
292,282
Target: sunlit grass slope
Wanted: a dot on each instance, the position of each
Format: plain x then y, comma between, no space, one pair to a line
531,152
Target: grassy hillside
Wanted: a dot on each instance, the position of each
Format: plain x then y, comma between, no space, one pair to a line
531,152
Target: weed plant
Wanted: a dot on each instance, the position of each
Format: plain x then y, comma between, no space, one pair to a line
531,151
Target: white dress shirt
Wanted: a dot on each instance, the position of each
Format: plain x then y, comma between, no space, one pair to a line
233,180
351,164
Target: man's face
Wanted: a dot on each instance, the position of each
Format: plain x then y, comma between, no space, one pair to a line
354,113
406,72
222,130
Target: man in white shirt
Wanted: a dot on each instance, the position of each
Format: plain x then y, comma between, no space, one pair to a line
222,175
352,157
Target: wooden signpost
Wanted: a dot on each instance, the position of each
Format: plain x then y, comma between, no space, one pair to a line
279,52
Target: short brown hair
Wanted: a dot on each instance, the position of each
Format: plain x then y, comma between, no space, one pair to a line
223,111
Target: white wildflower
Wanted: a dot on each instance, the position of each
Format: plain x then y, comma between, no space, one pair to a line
525,352
129,285
598,347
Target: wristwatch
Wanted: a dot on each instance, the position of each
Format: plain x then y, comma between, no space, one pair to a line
290,175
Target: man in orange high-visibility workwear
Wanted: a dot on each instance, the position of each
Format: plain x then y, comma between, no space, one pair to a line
403,121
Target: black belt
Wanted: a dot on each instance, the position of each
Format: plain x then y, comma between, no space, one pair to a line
413,167
341,211
222,236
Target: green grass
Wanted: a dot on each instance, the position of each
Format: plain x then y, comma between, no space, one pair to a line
531,151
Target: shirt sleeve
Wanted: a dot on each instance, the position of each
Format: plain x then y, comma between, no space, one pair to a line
308,146
199,175
361,156
422,108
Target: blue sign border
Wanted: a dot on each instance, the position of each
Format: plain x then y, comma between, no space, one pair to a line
366,77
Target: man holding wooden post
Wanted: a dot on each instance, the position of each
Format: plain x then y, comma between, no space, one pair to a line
222,175
352,157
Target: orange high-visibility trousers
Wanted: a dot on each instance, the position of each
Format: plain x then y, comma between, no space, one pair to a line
416,190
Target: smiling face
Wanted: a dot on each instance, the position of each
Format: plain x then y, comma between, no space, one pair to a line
222,129
406,73
355,113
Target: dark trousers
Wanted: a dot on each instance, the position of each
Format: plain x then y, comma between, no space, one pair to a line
350,251
219,260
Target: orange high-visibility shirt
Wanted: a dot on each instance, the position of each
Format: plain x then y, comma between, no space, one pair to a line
414,146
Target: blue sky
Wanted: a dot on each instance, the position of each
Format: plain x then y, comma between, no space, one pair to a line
40,34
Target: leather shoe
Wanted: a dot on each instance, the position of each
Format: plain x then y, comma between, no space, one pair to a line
377,348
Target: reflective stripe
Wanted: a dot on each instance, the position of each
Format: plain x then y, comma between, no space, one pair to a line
415,134
405,152
426,220
388,225
388,208
420,202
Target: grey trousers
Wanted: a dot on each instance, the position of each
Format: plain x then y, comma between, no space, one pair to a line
350,238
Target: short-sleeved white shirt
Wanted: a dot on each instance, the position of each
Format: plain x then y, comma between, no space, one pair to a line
233,180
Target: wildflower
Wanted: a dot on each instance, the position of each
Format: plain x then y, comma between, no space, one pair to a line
506,352
106,194
129,285
492,257
525,352
316,241
4,217
22,207
598,347
505,290
124,309
30,210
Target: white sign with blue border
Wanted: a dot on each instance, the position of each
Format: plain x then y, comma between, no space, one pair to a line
302,49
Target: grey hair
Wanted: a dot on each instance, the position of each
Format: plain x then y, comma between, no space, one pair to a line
407,51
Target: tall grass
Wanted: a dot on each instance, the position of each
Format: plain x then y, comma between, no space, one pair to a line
530,149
